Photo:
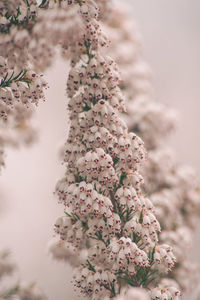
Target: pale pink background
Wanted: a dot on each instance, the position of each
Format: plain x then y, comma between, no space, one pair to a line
171,35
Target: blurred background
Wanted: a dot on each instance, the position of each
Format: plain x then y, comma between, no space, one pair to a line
28,208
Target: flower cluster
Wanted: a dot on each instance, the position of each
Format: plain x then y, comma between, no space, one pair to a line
20,86
173,189
109,224
19,83
106,213
17,13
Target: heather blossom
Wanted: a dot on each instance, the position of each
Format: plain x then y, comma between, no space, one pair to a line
110,231
20,86
106,212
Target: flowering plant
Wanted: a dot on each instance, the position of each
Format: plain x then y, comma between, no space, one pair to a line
110,231
108,221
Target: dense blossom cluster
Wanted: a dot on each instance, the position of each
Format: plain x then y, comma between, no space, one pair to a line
110,232
173,189
18,13
20,86
107,218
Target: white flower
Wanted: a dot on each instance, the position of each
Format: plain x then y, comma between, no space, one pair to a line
103,197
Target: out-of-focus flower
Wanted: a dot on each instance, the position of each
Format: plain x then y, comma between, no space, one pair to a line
30,292
172,188
133,294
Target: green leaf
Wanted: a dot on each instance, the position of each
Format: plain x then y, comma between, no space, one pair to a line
91,267
115,160
152,255
86,107
122,177
43,3
70,216
141,217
